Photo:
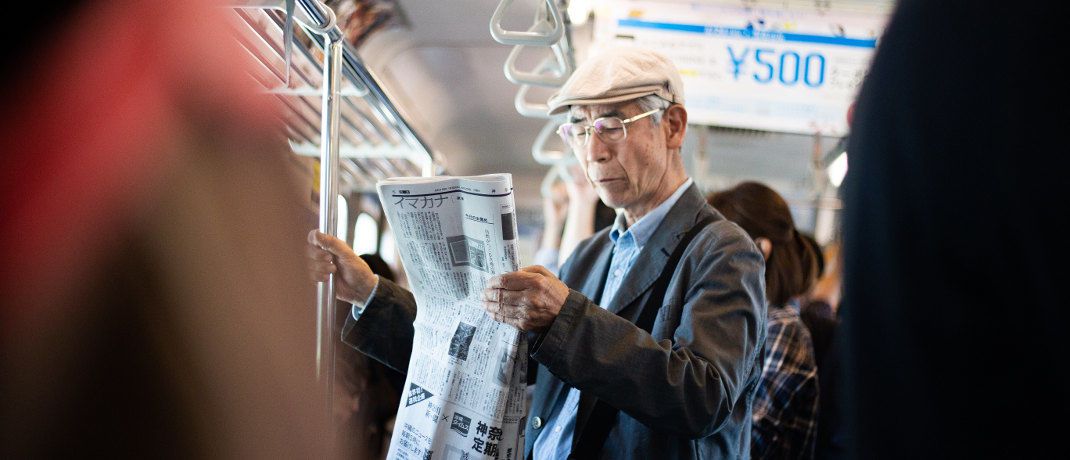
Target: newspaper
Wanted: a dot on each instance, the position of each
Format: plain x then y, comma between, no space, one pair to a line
464,393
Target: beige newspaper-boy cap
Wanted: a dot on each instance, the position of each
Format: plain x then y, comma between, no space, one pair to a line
619,74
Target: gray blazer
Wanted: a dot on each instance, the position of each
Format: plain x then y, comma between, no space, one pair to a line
684,391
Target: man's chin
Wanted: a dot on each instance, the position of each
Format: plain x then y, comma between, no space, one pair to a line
613,201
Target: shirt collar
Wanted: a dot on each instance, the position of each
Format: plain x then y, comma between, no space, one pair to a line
645,226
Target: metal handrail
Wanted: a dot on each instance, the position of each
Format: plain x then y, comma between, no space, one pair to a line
557,77
369,121
381,121
532,37
532,109
538,148
529,109
557,40
353,67
328,214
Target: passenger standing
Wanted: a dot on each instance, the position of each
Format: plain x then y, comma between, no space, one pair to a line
678,384
954,231
785,409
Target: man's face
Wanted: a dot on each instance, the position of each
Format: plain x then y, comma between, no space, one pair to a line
626,174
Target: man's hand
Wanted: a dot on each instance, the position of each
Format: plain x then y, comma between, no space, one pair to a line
529,299
353,281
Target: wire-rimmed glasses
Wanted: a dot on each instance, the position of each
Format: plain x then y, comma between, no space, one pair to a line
609,129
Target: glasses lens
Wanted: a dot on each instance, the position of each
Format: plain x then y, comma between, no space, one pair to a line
610,129
572,133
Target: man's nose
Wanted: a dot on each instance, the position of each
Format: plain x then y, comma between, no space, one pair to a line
596,150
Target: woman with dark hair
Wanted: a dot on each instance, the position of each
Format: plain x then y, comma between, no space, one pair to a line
785,406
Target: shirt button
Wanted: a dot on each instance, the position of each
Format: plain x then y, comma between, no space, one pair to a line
557,429
536,422
617,273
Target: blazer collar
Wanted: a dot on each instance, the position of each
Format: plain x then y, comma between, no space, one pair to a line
655,253
646,225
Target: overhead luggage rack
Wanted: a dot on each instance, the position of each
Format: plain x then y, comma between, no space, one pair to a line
375,141
335,110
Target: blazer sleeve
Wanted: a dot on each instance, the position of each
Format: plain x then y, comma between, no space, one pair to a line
384,330
687,385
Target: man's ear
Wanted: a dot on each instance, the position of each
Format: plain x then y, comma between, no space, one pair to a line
674,122
765,246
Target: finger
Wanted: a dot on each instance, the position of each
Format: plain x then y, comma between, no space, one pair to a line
328,243
512,298
492,295
538,269
505,297
320,275
495,314
317,254
321,258
313,251
515,281
323,267
492,307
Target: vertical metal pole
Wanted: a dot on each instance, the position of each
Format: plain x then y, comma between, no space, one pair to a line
326,336
427,166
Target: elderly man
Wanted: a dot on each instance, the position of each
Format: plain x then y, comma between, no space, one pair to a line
649,345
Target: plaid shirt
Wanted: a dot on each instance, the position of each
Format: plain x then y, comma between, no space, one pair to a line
785,406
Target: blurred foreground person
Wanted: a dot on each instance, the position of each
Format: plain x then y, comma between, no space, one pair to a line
151,248
955,215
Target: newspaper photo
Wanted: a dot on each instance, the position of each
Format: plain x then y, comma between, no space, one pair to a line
464,393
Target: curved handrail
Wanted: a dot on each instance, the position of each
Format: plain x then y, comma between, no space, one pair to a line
557,77
547,157
532,109
529,109
531,37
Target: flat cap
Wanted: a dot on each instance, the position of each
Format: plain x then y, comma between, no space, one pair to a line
619,74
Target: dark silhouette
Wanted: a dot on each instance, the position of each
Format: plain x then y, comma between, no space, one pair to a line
953,236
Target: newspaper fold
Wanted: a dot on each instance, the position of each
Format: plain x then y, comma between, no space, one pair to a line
464,393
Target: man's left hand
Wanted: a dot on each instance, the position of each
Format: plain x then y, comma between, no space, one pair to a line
529,299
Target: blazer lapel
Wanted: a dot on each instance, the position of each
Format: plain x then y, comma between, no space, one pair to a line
655,253
597,261
594,285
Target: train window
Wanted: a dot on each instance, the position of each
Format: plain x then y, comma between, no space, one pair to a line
342,224
387,248
366,234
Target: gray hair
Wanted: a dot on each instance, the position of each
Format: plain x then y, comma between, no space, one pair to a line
651,102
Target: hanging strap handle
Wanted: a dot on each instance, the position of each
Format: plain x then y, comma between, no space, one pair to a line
531,37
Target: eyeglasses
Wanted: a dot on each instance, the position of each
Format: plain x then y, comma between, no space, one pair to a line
609,129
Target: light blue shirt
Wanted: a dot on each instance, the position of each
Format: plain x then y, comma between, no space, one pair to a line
555,440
